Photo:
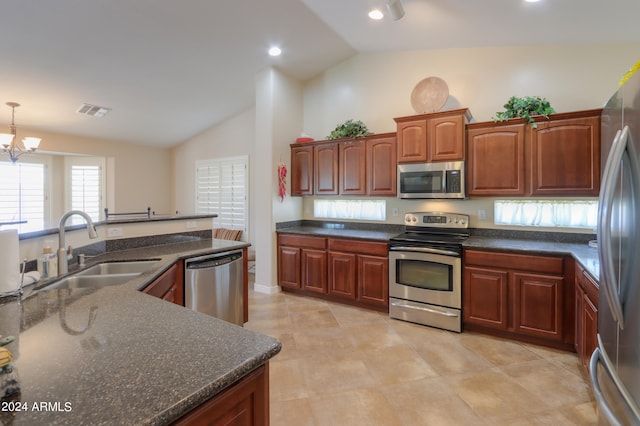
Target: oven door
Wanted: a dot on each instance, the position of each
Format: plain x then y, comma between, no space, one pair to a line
423,275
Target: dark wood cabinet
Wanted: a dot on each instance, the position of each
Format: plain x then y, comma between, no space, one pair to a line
586,325
438,136
302,262
338,269
244,403
169,286
381,169
558,157
496,160
518,296
565,157
352,161
301,170
325,168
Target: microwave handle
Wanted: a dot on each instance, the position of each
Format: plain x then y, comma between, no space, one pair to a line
425,250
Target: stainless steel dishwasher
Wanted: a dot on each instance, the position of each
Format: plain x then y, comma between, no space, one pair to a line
213,285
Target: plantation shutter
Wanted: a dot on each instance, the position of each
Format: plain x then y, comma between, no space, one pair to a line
222,188
85,183
23,195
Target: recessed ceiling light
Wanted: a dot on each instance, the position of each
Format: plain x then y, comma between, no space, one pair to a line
376,14
275,51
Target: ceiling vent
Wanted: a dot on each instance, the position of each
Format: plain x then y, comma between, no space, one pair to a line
93,110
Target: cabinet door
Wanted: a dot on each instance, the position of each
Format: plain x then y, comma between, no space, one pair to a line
289,267
565,157
302,170
486,297
589,329
496,160
168,286
382,167
373,280
325,158
342,275
579,323
412,141
352,159
445,138
538,302
314,270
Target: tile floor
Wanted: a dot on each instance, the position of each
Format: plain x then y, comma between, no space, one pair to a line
341,365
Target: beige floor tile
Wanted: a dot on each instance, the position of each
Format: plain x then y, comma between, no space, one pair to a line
349,316
359,407
338,373
431,402
322,341
396,364
496,350
286,380
313,319
294,412
368,337
452,357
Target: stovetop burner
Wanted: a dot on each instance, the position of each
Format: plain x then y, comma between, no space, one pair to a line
432,229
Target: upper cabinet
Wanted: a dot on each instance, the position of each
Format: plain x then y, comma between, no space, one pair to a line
363,166
438,136
561,157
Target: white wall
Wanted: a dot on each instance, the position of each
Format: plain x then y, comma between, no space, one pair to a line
376,87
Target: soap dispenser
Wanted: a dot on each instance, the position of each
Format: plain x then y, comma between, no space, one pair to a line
48,263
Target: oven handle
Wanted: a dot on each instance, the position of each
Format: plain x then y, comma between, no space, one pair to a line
420,308
426,250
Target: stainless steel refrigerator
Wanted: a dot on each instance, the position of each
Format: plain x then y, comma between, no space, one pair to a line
615,364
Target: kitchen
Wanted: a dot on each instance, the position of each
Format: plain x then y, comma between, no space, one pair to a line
373,87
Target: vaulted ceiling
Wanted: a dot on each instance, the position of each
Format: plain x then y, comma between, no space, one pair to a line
171,69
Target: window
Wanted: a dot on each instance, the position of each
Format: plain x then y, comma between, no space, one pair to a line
24,194
222,186
85,182
350,209
549,213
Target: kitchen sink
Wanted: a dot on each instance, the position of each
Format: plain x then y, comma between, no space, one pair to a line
91,281
111,268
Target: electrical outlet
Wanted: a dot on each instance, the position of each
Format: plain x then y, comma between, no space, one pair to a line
394,212
482,214
191,224
114,232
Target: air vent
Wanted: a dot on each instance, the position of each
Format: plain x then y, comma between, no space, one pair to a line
93,110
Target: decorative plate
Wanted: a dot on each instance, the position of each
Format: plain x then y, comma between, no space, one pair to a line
429,95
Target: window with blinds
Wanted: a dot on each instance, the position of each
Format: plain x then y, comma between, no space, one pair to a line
85,187
24,194
222,187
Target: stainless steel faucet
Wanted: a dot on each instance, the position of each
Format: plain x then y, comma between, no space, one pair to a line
63,263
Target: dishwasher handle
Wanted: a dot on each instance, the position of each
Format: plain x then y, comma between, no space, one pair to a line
213,261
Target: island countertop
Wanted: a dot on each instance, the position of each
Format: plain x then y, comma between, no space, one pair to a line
141,360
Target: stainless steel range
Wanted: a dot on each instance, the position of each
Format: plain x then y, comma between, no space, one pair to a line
425,270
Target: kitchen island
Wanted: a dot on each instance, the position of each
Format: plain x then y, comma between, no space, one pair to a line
115,355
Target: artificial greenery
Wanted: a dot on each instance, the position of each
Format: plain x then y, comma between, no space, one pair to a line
526,108
349,129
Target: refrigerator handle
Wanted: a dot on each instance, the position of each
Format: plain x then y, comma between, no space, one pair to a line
597,392
612,170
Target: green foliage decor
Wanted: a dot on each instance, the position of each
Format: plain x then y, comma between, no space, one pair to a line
526,108
349,129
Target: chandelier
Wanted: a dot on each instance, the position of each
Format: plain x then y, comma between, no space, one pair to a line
14,148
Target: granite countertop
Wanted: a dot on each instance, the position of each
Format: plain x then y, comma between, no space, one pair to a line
142,360
585,255
358,234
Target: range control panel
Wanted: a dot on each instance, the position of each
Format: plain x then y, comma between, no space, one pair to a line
436,220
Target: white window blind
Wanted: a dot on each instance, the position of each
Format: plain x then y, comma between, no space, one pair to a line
222,187
548,213
350,209
85,186
24,194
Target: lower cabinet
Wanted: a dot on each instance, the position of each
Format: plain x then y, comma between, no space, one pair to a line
343,270
586,326
169,286
244,403
518,295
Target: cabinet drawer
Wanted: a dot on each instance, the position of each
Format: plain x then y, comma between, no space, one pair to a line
360,247
588,285
302,241
534,263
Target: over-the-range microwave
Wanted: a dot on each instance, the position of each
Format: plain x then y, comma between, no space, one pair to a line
431,180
